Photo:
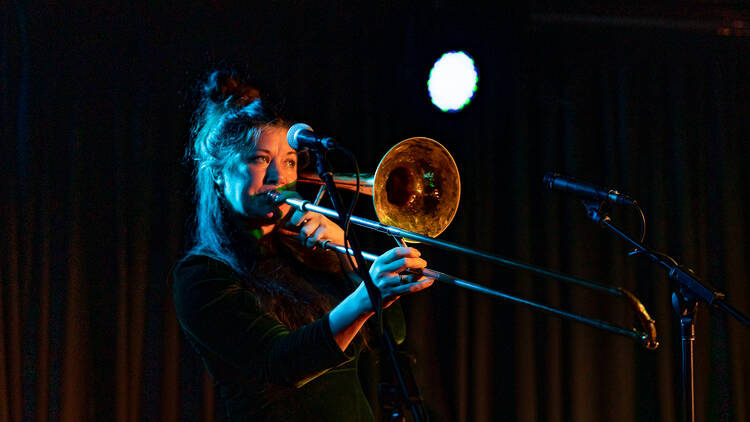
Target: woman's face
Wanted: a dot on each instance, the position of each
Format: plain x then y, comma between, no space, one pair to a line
270,164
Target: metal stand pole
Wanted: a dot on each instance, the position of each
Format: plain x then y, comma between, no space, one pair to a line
686,310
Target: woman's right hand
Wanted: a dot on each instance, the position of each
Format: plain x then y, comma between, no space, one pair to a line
347,317
385,273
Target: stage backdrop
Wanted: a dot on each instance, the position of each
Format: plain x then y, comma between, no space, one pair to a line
96,104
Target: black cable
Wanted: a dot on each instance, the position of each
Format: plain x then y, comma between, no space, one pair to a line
347,218
636,251
347,223
643,228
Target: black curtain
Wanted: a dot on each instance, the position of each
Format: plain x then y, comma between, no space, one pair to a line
96,104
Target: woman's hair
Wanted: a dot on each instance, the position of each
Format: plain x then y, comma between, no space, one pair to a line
229,121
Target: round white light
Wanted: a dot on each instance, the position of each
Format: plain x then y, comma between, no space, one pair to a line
453,81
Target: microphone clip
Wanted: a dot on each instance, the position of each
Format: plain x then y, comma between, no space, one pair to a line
597,211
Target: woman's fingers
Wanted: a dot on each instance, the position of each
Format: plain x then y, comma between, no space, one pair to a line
421,284
299,217
394,260
397,253
317,235
308,229
399,287
391,272
409,277
401,279
401,264
316,227
385,270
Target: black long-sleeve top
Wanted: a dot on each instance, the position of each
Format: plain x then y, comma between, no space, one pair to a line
263,370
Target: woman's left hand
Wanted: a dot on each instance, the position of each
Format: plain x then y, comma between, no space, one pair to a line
315,227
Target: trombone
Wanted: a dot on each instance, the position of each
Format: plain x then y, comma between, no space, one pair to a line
416,190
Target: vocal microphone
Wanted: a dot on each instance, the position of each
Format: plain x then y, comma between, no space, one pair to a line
584,190
302,136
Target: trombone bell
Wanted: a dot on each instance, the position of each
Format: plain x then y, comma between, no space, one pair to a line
417,187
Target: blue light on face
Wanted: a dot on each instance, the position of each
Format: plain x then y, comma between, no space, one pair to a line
453,81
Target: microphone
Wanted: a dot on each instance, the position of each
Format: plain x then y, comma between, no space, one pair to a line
301,136
584,190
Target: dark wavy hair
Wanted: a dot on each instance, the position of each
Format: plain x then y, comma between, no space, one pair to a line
228,121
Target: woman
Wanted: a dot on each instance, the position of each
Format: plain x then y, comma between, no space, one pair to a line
276,324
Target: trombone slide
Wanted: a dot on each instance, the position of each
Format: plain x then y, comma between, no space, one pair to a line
646,338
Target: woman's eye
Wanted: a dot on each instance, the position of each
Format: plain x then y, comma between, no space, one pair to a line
291,163
260,159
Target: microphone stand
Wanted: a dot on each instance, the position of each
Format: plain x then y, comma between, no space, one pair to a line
326,174
689,292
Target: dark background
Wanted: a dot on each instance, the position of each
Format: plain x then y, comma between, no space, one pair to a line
649,97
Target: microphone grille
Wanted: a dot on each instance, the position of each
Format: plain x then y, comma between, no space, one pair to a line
291,136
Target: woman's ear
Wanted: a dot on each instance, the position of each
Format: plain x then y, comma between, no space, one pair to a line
218,177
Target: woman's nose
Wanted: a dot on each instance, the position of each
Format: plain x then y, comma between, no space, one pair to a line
275,174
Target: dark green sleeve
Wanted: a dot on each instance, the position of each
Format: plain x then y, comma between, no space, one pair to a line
393,318
224,318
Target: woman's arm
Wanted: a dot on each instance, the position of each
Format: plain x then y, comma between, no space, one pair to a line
347,318
236,337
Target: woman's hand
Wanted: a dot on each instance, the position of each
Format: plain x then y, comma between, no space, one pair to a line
315,227
385,273
347,317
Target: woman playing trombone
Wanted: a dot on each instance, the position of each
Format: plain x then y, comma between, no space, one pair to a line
279,326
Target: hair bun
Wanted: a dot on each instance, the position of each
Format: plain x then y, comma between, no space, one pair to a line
226,87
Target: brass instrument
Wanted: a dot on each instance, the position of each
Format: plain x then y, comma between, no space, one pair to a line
416,190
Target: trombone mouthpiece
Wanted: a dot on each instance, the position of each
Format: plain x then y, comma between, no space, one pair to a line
272,196
276,197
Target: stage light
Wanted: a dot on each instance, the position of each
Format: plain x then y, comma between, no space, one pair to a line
453,81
